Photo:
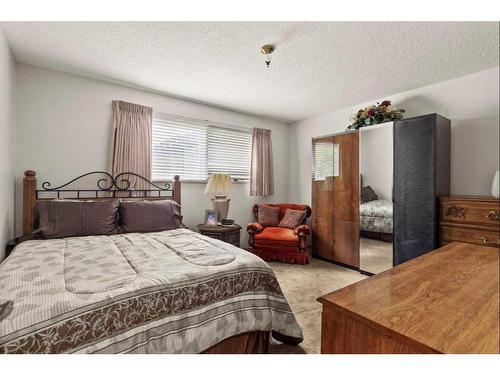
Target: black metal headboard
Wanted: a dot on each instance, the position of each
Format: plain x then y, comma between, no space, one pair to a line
110,186
107,186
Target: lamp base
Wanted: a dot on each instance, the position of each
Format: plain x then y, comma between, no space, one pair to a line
220,204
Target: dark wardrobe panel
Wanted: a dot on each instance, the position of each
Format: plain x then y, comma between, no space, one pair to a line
421,174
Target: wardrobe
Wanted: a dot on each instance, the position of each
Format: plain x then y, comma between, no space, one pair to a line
375,192
335,199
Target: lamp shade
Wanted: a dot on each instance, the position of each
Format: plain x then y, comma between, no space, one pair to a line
218,184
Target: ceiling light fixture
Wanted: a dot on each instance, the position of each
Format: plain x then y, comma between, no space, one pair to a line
267,50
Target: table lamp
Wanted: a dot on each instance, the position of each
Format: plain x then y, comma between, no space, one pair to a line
219,185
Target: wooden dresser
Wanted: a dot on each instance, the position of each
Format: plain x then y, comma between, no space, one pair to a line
469,219
445,301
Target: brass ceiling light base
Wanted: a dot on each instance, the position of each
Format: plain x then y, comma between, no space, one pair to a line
267,50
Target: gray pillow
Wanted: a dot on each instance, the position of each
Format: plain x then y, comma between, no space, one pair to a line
268,216
292,218
59,218
368,195
150,216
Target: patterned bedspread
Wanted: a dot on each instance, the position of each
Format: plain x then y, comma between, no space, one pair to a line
376,216
165,292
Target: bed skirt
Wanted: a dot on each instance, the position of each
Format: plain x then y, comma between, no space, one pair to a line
257,342
386,237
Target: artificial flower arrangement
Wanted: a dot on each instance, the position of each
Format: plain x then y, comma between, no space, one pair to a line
375,114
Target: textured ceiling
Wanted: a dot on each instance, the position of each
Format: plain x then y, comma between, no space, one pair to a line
317,66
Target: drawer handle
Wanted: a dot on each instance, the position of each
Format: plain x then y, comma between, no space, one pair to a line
493,215
485,241
455,211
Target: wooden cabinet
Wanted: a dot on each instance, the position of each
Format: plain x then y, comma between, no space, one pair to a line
346,242
322,199
322,238
335,199
227,234
474,220
445,301
421,173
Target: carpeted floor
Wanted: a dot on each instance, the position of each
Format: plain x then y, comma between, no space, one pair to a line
301,286
375,256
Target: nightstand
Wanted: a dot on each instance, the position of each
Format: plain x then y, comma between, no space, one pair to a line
227,234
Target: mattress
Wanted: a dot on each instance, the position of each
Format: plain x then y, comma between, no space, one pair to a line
376,216
166,292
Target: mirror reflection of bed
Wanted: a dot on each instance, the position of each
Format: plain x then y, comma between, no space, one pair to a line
376,214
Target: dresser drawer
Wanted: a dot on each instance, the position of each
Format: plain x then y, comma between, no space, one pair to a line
470,234
471,212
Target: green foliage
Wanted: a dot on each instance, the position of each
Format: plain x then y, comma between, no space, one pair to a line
375,114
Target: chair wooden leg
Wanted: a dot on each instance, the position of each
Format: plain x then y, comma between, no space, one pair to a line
251,239
303,244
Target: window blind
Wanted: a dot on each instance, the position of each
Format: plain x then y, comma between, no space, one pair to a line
326,160
194,149
179,148
229,151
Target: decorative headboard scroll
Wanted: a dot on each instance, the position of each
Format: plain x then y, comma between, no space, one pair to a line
107,186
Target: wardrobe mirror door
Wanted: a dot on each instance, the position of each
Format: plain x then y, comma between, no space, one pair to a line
376,213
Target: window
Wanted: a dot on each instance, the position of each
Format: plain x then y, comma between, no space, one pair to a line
194,149
326,160
229,151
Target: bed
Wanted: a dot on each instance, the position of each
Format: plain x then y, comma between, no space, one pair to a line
376,219
172,291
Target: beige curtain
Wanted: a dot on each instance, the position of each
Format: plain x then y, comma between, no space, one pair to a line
131,148
261,172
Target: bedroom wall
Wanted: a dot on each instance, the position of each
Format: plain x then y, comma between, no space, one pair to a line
64,130
470,102
7,79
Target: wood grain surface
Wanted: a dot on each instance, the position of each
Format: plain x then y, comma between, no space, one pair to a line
335,207
446,301
470,210
469,233
469,219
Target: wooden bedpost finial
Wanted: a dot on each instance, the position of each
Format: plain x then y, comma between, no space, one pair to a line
176,194
29,197
29,173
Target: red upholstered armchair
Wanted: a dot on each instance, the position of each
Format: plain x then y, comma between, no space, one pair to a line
277,243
